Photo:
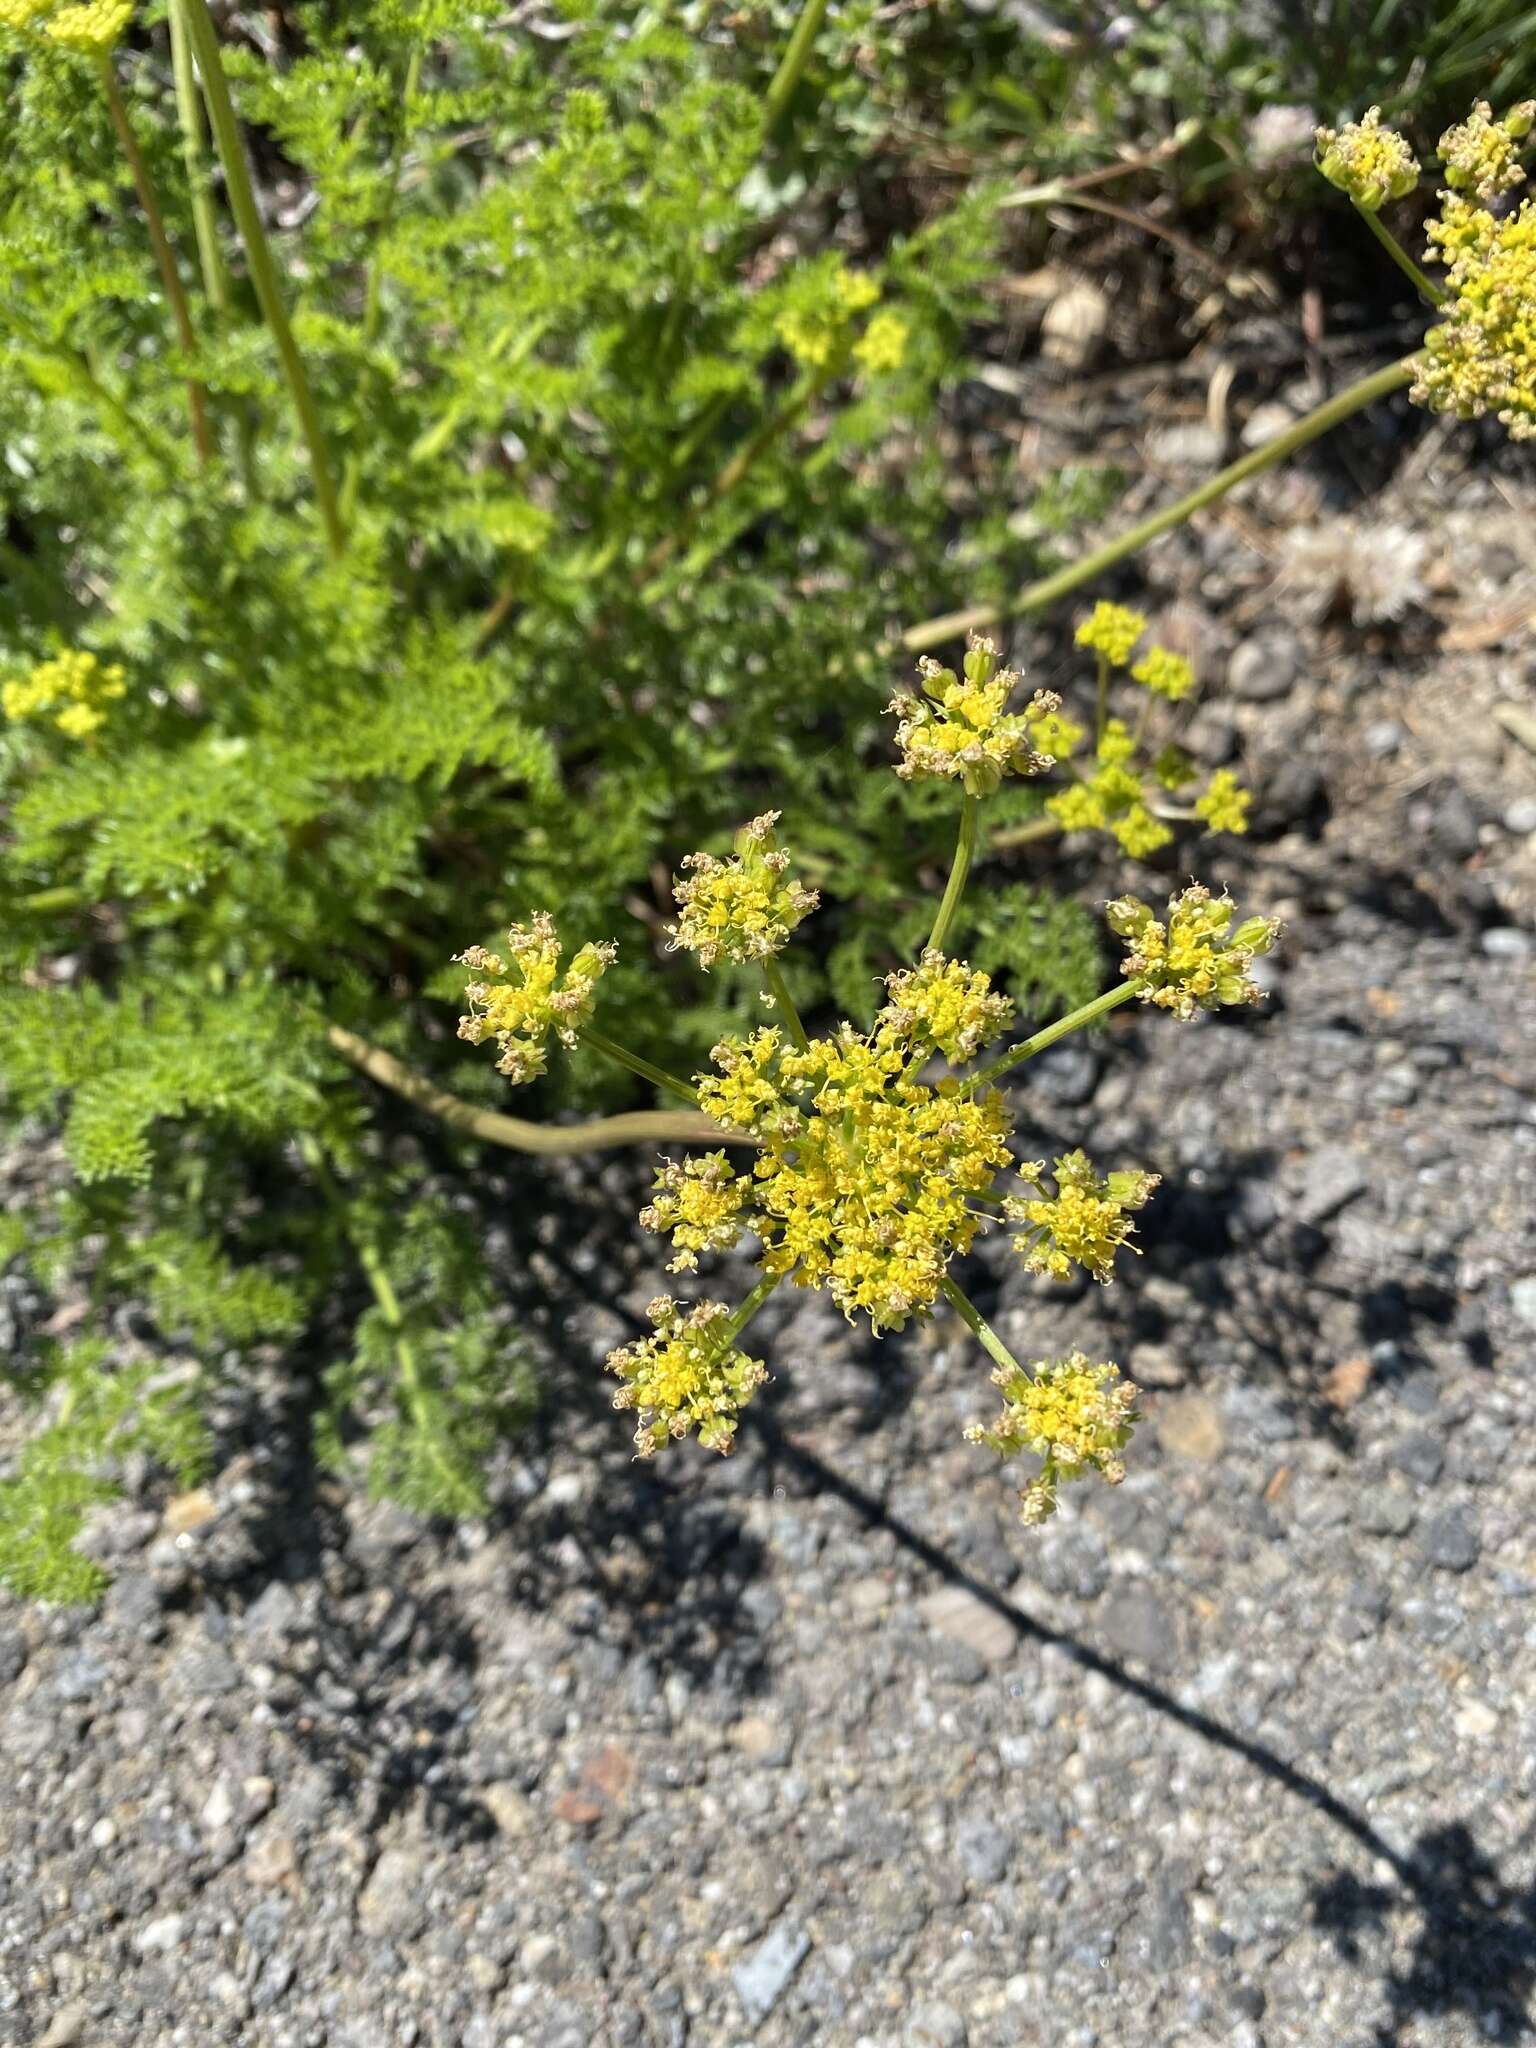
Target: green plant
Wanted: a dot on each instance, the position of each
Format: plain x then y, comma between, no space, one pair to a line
871,1176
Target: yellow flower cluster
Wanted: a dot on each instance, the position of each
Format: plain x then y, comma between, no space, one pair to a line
526,1000
700,1201
947,1005
1194,960
92,27
816,335
1053,734
1225,804
882,347
1482,155
1084,1223
742,908
1480,356
686,1377
1074,1415
866,1172
20,14
75,688
1371,163
960,727
1165,674
1112,800
1111,630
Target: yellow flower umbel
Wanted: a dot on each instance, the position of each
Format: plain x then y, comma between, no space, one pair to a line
946,1005
1165,674
528,998
882,347
1111,630
1076,1417
866,1174
1225,804
739,909
687,1377
20,14
1084,1223
1113,799
816,331
1482,155
700,1201
1480,356
74,688
960,727
93,27
1055,735
1194,960
1371,163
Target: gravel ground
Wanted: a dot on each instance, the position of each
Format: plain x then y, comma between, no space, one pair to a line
818,1744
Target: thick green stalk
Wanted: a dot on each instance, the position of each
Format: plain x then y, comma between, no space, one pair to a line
978,1326
242,200
1036,596
189,113
960,868
518,1134
622,1056
797,54
749,1307
1088,1014
784,1002
165,259
1405,263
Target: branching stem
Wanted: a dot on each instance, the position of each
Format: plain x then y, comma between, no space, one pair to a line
960,868
1088,1014
784,1002
978,1326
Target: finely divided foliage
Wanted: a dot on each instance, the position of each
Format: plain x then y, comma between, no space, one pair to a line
422,435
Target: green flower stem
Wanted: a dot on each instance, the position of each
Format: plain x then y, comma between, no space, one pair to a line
978,1326
784,1002
1036,596
960,868
165,259
622,1056
518,1134
1023,835
189,113
1405,263
749,1307
797,54
242,199
1090,1013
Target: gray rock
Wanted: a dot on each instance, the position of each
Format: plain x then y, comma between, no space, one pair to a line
1520,818
1384,1511
1266,667
984,1849
762,1978
1186,444
13,1654
1066,1073
81,1675
1136,1623
1522,1299
1334,1175
159,1937
392,1904
1420,1455
206,1670
1507,942
275,1612
934,2025
1383,737
1449,1541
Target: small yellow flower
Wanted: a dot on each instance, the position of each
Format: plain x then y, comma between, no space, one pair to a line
816,331
1225,804
1371,163
960,727
746,1094
742,908
524,1001
1165,674
75,686
1193,961
1084,1223
20,14
882,346
1137,832
686,1377
1074,1415
700,1202
1113,799
947,1005
1055,735
93,27
1482,155
1480,356
1111,630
